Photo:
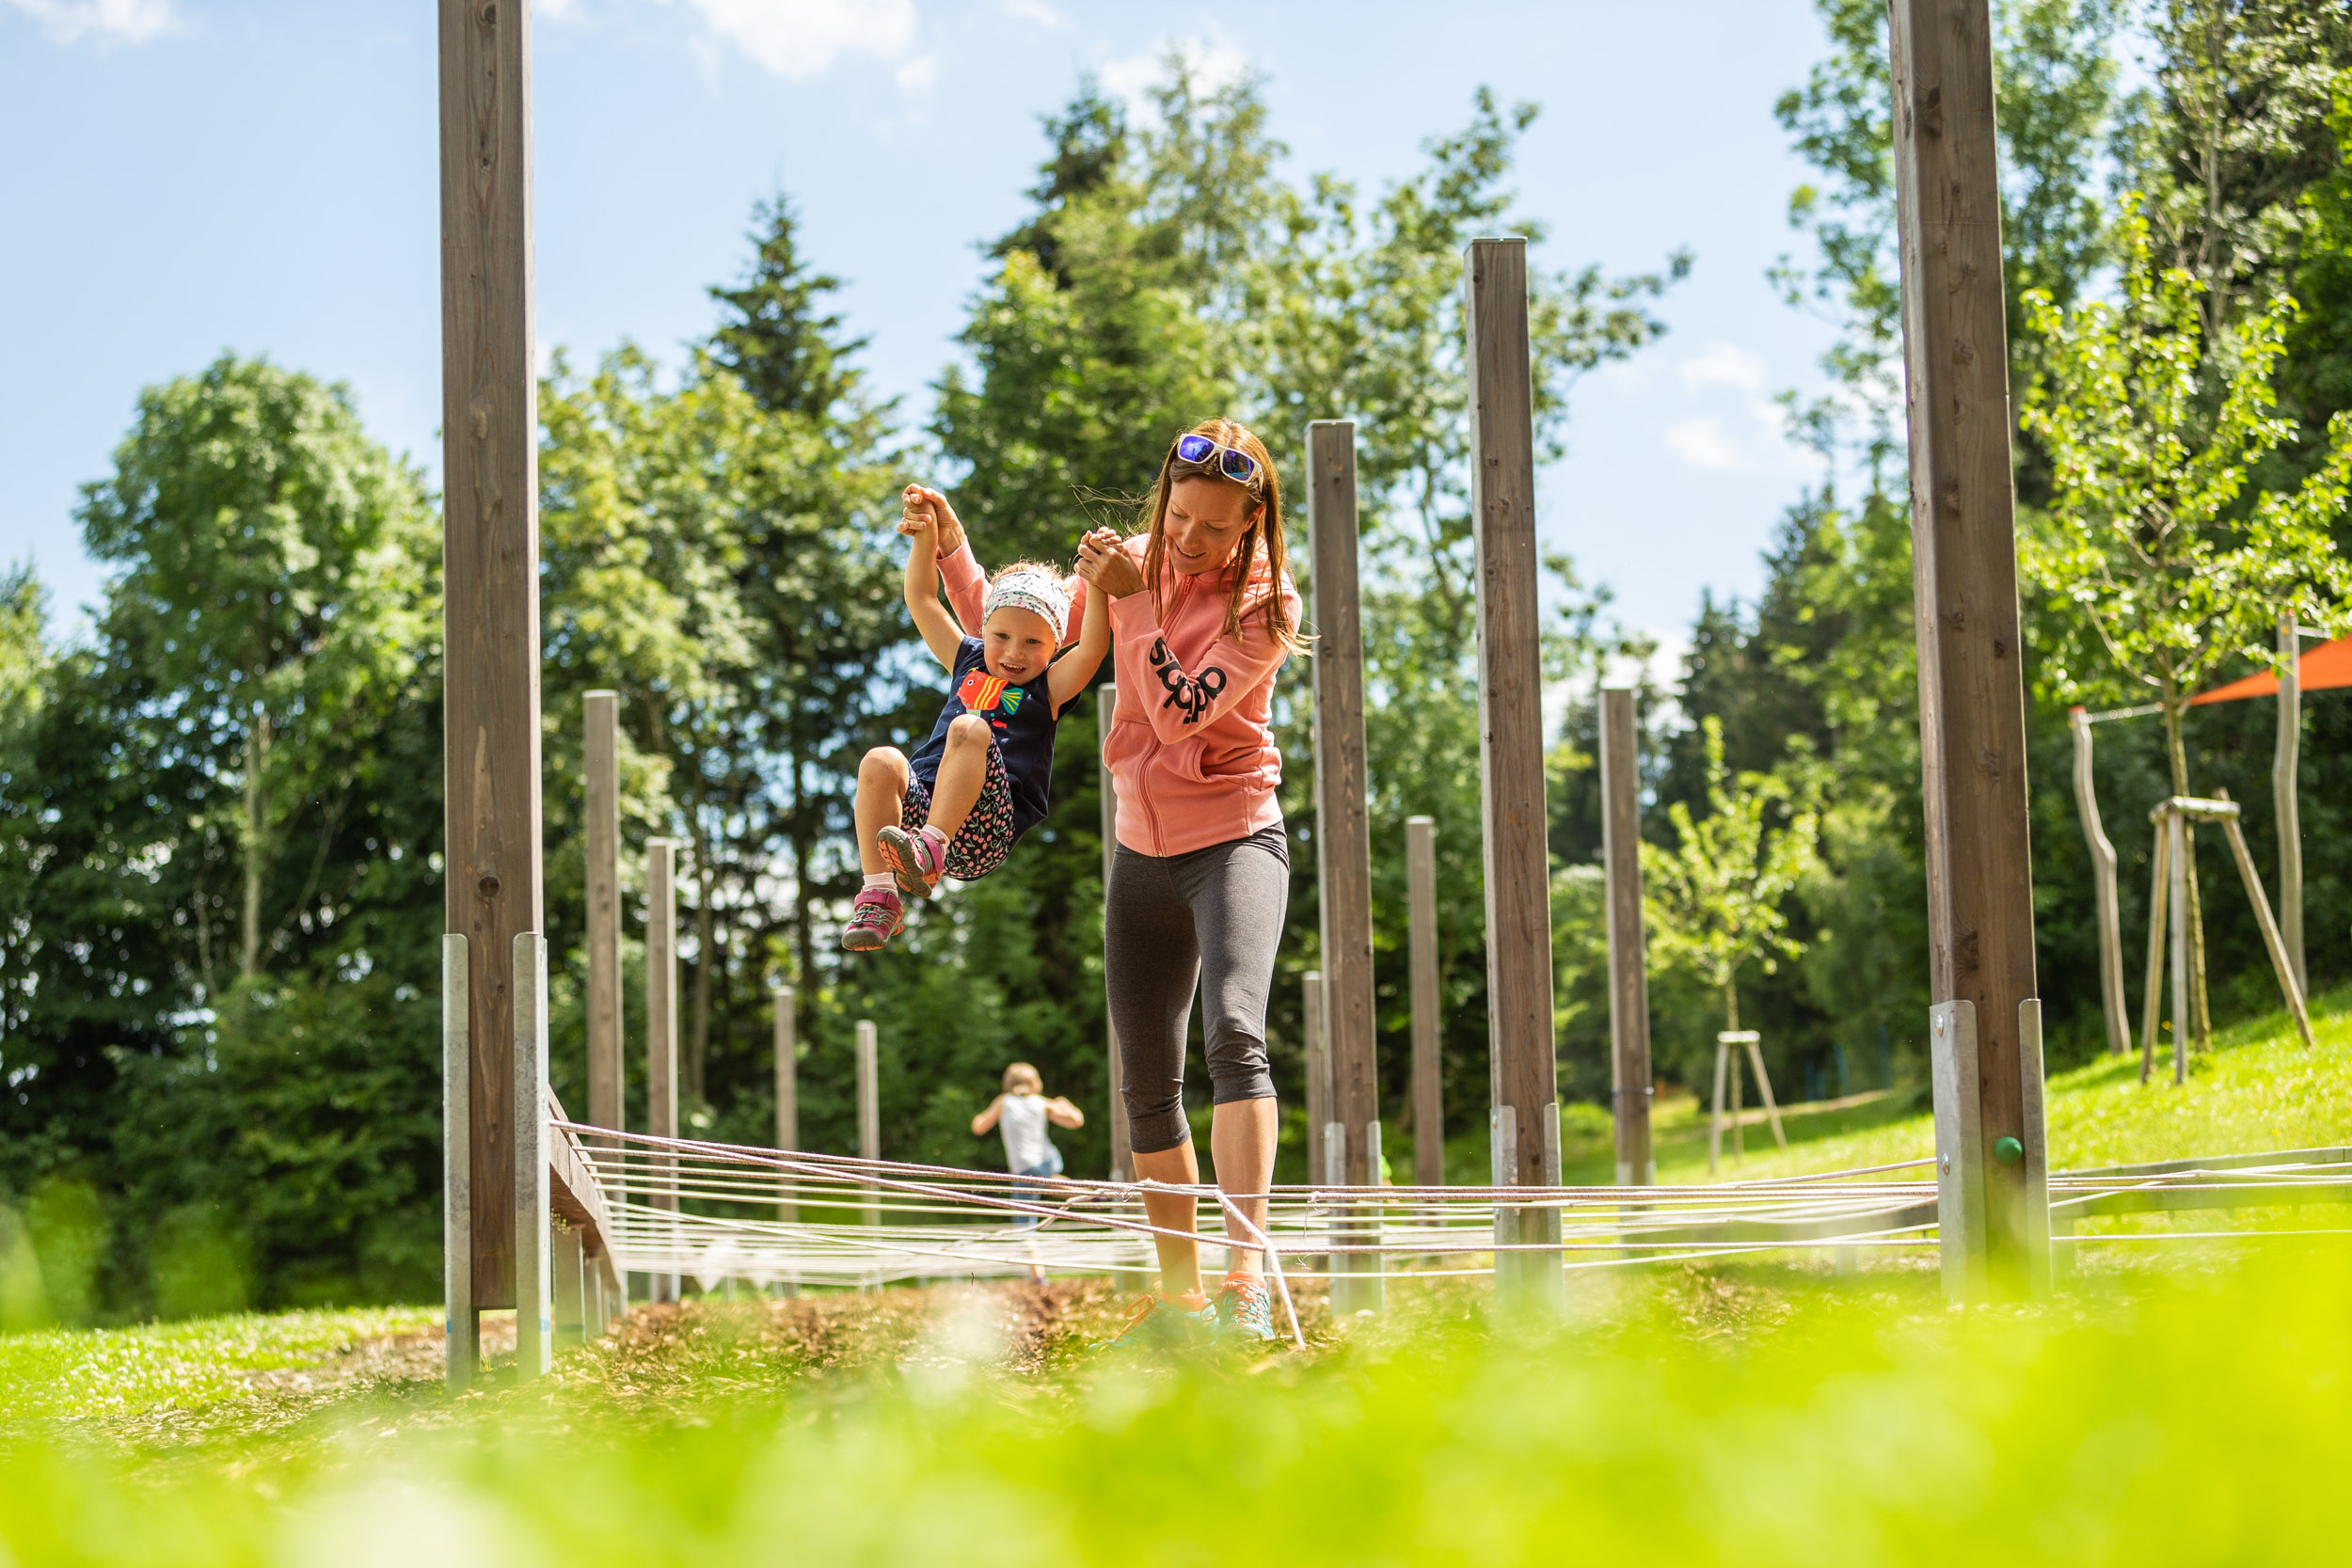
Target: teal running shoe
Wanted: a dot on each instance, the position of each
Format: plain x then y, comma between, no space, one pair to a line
1244,1309
1166,1322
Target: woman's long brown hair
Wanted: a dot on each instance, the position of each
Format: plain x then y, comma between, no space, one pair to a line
1266,490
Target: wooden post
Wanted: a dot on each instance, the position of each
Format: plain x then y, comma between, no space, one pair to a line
1629,949
1122,1147
1524,1073
1318,1077
2176,856
1764,1087
1972,704
870,1111
2289,989
2159,893
1715,1116
461,1323
1342,822
2285,768
788,1087
571,1289
601,759
534,1216
490,581
2111,995
1421,898
662,1031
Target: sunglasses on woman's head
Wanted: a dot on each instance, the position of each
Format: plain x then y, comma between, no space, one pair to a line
1239,467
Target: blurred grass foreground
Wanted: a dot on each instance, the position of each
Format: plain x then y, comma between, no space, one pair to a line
1756,1415
2180,1402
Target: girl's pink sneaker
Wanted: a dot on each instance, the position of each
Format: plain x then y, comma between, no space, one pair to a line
915,859
874,919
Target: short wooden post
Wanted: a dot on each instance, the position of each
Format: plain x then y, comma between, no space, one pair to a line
462,1324
1972,699
2285,766
1122,1147
492,885
2159,894
1629,948
787,1088
661,1037
1421,898
870,1111
2176,855
2111,995
1524,1071
1342,822
535,1264
1318,1076
1715,1116
601,760
2288,987
1764,1087
571,1289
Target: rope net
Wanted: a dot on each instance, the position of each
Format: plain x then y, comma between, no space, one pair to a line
714,1212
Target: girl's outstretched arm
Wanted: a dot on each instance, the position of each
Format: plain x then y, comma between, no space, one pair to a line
1071,672
940,632
985,1122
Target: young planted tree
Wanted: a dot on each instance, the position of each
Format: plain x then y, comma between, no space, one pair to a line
1713,900
2162,562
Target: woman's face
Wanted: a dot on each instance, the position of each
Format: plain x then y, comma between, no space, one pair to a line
1207,519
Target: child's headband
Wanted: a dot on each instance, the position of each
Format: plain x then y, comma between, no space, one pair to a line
1034,592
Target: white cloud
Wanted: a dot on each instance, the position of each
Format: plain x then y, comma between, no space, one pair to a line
1036,10
799,39
918,76
554,10
1216,61
1722,364
110,20
1703,443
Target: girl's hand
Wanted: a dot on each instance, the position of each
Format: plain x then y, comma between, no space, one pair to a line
1103,563
925,509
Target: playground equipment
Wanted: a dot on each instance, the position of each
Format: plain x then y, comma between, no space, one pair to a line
1727,1057
2169,873
1628,950
511,1158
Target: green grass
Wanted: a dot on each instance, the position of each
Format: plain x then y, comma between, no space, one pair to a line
2179,1404
1706,1416
182,1366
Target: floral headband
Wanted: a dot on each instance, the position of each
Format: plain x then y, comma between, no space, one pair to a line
1034,592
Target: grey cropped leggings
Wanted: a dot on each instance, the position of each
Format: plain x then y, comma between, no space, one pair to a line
1211,918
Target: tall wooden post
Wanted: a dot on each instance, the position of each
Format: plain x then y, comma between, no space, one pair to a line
1421,900
1972,703
2284,766
2111,991
601,758
1628,946
1122,1149
661,1028
788,1085
1525,1076
869,1110
1343,823
1318,1056
533,1233
490,582
2176,857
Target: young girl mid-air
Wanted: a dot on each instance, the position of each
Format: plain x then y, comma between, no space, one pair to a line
957,806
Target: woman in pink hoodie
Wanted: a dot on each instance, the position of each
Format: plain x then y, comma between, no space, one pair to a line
1203,612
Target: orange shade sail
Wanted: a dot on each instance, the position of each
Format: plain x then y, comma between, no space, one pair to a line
2325,666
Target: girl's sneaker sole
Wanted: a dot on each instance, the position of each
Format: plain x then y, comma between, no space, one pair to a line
896,846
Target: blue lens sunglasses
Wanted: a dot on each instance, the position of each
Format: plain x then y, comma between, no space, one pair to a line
1239,467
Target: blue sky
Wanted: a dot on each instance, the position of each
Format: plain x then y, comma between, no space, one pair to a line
188,176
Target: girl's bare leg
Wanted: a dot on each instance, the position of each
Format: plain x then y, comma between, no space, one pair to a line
1179,1259
961,772
881,786
1241,1136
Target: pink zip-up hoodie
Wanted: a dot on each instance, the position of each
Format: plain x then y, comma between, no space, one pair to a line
1191,750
